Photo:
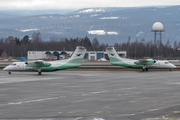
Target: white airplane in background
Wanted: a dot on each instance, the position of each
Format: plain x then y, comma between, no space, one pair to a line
143,64
42,66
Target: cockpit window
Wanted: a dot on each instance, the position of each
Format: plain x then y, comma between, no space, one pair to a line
14,64
166,62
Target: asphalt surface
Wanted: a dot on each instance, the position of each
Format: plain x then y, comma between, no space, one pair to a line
90,95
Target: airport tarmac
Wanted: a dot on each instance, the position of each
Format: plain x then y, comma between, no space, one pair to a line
90,95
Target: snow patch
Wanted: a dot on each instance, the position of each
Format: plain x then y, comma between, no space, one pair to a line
109,18
112,33
102,32
98,32
95,15
76,16
58,33
102,59
27,30
43,17
92,10
139,33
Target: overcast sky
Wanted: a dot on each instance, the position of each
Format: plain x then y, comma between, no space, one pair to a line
78,4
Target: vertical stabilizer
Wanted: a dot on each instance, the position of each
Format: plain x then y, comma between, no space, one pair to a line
113,56
78,55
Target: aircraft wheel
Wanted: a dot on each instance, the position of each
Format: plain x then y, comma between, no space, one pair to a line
146,69
9,72
39,73
171,69
143,69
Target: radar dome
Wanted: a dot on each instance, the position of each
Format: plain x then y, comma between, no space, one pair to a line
157,26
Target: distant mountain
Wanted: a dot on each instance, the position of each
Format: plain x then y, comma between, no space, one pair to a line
6,16
100,9
108,25
34,12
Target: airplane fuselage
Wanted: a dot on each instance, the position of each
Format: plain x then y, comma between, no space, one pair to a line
157,65
22,66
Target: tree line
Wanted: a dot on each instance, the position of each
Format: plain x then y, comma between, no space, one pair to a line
17,47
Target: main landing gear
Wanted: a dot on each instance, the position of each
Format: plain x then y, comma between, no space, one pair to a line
9,72
145,68
39,72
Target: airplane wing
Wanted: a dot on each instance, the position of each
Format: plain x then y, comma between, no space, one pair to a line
145,62
38,64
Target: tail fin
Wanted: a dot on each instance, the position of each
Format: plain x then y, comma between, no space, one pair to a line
113,56
78,55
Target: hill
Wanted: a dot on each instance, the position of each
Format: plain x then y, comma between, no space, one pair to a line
108,25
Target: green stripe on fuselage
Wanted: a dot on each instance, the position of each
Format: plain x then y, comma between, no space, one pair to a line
70,64
119,62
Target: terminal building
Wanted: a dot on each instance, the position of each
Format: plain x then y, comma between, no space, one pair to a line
58,55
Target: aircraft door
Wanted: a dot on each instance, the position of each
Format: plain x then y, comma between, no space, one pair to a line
154,65
159,65
21,66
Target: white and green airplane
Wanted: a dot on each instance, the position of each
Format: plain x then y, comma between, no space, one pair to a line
42,66
143,64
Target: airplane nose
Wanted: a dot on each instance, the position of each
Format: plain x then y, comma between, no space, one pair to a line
5,69
174,66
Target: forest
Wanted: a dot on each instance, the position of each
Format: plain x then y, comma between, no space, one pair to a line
137,49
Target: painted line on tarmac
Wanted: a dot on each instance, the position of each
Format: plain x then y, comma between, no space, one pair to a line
11,80
31,101
84,94
170,114
156,109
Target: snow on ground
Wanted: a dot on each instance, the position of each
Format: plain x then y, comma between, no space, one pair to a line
109,18
43,17
92,10
112,33
102,32
98,32
95,15
74,16
27,30
139,33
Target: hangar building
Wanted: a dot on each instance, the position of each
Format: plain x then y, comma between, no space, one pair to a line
57,55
